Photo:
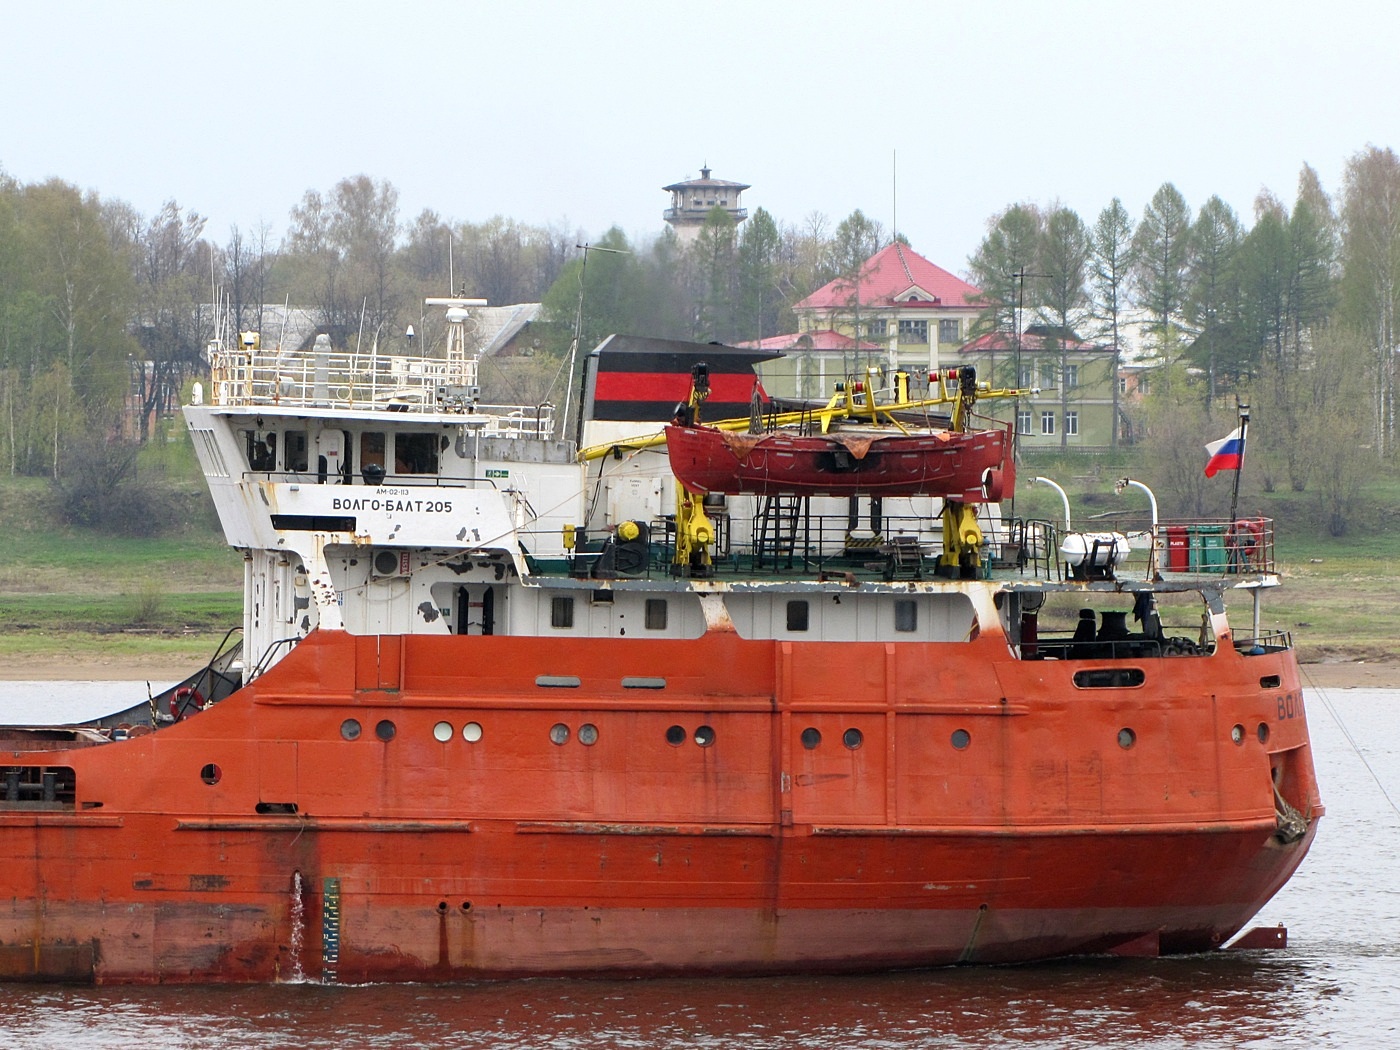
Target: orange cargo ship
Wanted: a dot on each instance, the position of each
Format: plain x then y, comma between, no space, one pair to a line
505,707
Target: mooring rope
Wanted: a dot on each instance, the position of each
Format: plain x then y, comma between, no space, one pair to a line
1337,718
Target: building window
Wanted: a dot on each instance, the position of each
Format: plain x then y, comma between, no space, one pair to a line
561,612
913,331
1142,384
949,330
1072,423
1023,420
879,329
656,614
1049,375
906,616
1047,423
796,616
1122,384
1027,377
1071,376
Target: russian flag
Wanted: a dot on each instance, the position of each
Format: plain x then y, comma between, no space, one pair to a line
1225,454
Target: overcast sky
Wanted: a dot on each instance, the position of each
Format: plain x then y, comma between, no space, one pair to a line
577,112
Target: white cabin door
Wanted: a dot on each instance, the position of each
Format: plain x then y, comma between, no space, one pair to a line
330,457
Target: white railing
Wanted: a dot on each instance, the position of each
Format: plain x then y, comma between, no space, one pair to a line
359,382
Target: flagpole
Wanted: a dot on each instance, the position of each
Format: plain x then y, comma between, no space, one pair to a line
1244,430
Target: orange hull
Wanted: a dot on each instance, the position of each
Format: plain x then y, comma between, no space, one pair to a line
682,827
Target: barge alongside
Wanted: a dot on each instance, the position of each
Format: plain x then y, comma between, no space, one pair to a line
506,706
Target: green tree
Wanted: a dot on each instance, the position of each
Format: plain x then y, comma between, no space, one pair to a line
172,321
760,301
1063,260
1263,272
342,248
857,238
1334,433
1177,430
1003,267
1371,273
1110,263
1211,305
78,262
1312,238
1160,251
714,269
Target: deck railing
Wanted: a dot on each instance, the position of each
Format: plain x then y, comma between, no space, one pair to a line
366,383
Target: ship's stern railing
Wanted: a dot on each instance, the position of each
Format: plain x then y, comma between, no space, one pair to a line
1239,547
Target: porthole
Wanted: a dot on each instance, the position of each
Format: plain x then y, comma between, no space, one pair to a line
675,736
350,729
1263,732
1237,734
853,738
559,733
442,732
811,737
211,774
705,736
588,734
961,738
471,732
385,730
1126,738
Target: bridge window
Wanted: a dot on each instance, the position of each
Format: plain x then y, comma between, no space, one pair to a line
295,452
416,453
372,454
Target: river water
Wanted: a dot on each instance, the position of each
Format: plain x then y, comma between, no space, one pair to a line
1334,986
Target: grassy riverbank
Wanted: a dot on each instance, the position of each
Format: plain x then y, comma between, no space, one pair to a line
93,601
86,597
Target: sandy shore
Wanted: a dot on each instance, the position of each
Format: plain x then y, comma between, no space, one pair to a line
1385,675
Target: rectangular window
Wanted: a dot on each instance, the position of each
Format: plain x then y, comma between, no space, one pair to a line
796,616
1049,375
1122,384
906,616
913,331
561,612
1071,376
878,329
949,330
295,454
1142,384
1047,423
1027,377
261,446
1072,423
1023,421
656,614
416,453
372,454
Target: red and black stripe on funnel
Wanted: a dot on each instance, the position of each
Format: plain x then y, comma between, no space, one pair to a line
642,380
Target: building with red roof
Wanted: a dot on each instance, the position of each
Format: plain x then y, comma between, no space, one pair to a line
900,311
